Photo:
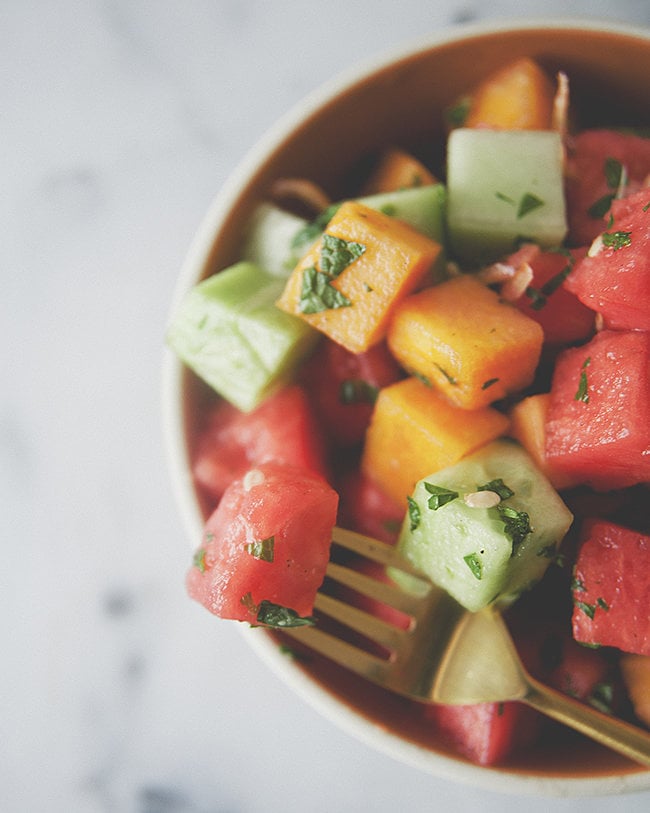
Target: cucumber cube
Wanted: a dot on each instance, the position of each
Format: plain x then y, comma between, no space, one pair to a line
503,186
486,528
269,240
229,331
422,207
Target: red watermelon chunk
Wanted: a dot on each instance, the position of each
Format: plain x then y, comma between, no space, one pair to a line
267,541
611,589
598,420
614,279
486,733
282,429
547,299
343,387
594,162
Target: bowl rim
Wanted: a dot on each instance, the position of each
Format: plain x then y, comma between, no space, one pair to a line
310,691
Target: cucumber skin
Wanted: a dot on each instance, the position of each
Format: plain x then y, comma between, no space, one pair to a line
230,333
443,538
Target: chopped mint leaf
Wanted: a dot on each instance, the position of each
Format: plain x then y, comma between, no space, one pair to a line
617,240
614,172
439,496
307,234
578,585
602,604
457,115
414,513
337,254
499,487
582,393
447,375
247,601
275,615
318,295
602,697
357,391
262,549
198,560
487,384
588,609
517,524
528,203
504,198
474,563
600,207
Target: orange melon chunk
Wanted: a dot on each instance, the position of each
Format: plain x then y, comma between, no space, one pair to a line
415,431
516,97
395,259
528,426
466,341
397,169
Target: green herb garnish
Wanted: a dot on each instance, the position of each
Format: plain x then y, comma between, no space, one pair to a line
447,375
582,393
439,496
198,560
262,549
357,391
337,254
318,294
600,207
486,384
617,240
588,609
309,233
457,115
528,203
474,563
517,524
414,513
602,697
275,615
499,487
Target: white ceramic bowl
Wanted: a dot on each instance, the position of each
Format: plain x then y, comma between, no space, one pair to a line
399,99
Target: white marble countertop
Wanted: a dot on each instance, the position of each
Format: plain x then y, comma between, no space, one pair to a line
120,121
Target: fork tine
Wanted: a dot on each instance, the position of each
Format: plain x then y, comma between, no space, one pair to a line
341,652
372,549
360,621
373,588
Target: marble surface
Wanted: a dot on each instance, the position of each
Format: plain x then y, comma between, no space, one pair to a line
120,121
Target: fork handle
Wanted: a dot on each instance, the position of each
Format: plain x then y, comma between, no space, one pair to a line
626,739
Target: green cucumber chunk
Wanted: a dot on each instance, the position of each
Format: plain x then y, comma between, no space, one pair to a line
503,186
229,332
484,555
422,207
269,240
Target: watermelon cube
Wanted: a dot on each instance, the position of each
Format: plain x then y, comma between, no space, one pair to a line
611,588
598,420
266,546
614,278
598,163
282,429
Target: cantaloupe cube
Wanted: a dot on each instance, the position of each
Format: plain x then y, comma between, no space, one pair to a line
467,342
528,426
516,97
415,431
353,305
636,675
397,169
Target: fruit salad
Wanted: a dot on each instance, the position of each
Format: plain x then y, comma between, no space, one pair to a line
455,359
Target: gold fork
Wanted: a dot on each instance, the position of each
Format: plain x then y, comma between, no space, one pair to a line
447,654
